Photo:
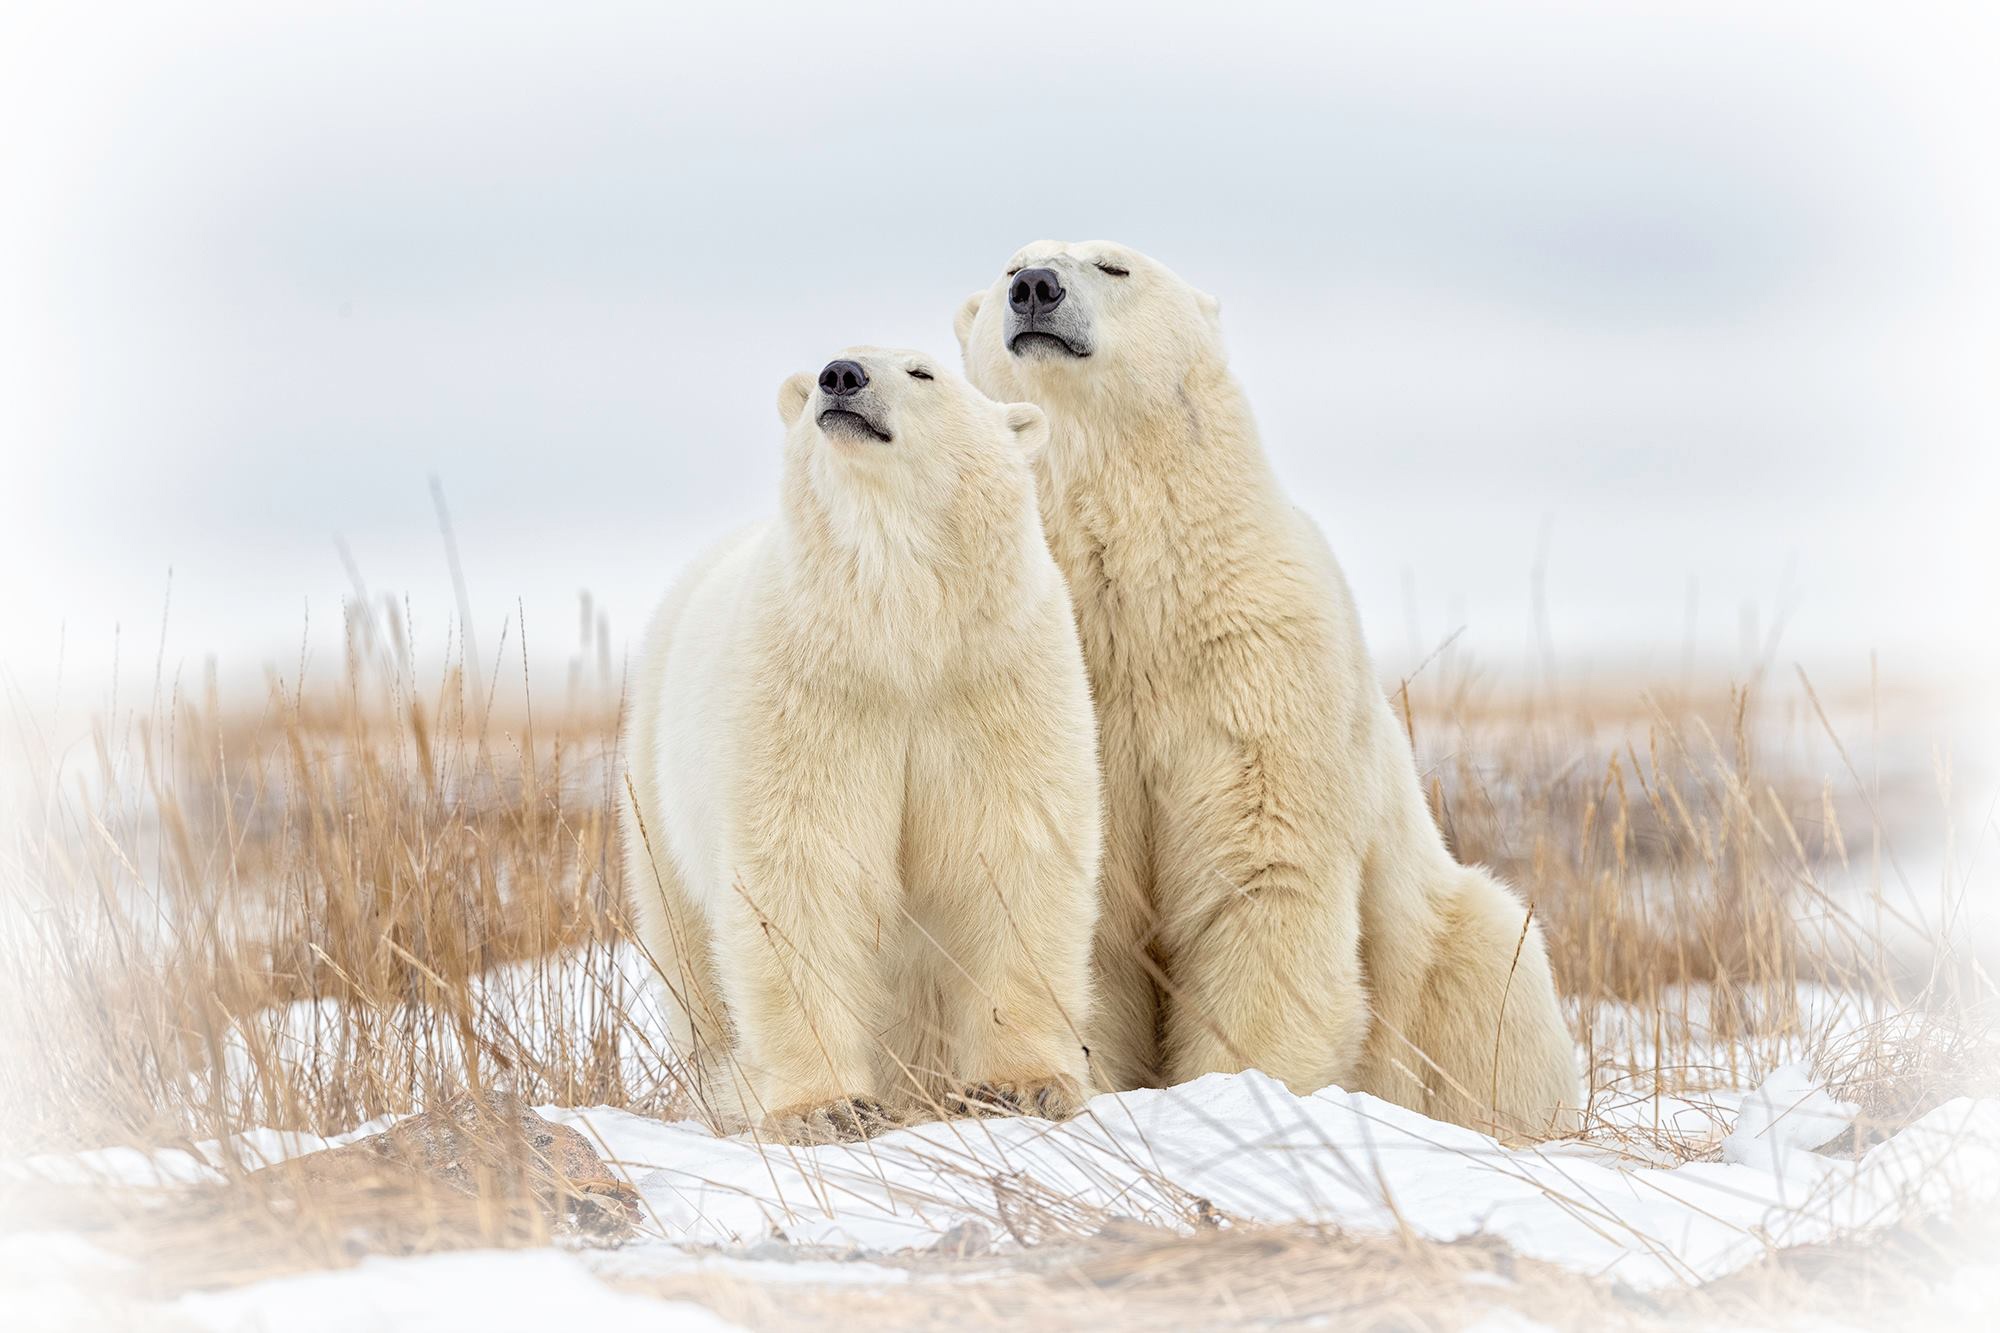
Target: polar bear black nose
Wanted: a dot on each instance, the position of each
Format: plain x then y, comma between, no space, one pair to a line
843,378
1035,289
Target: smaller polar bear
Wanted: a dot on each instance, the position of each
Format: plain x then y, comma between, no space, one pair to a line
1275,892
862,839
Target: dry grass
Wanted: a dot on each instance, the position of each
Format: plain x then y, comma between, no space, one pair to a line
357,898
1265,1277
1721,889
435,878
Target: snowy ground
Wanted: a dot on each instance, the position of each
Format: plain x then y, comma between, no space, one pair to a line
1242,1143
1625,1209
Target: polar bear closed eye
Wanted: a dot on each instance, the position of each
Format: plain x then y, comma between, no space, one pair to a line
862,839
1275,894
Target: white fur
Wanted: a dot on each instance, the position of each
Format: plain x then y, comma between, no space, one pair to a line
1275,893
864,833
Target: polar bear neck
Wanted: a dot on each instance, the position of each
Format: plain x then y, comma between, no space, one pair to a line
1192,455
1157,515
911,595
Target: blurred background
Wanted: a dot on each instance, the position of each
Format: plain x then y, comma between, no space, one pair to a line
1645,338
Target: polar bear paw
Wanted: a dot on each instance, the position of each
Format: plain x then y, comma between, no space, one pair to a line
843,1120
1051,1097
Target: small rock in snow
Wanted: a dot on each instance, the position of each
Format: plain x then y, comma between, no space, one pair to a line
968,1240
772,1249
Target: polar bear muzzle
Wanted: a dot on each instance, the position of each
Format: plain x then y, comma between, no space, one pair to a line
1041,321
851,409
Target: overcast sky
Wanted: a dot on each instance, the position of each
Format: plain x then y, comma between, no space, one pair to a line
1702,309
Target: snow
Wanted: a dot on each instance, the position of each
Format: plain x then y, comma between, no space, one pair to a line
178,1166
492,1291
1255,1151
57,1280
1789,1112
1242,1143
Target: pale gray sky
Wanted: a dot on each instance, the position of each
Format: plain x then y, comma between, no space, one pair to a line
1698,299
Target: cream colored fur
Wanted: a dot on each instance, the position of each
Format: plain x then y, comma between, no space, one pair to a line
1275,893
864,777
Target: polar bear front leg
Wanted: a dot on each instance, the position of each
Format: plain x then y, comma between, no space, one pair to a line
1259,902
1125,1028
801,929
1003,861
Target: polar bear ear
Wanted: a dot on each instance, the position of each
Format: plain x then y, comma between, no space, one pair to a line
1210,307
961,323
1029,424
792,395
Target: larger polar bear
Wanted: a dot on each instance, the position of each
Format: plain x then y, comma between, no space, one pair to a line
1275,893
862,841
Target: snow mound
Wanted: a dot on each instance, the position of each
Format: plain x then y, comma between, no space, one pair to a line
1789,1112
1253,1150
1226,1146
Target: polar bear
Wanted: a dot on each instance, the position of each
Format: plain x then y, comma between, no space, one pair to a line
863,825
1275,893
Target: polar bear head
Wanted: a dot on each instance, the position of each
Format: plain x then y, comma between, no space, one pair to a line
1074,322
885,441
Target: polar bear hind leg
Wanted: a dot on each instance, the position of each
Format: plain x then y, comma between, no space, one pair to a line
1496,1053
